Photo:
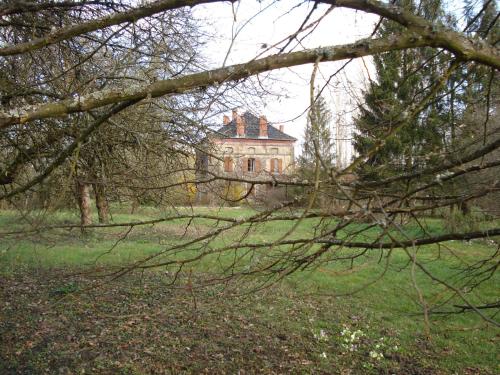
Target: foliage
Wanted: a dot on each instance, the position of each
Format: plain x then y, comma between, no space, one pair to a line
64,290
318,140
401,79
233,193
457,221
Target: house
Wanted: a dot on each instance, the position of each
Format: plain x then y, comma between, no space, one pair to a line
247,147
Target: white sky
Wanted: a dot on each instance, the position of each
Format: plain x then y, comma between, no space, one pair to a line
275,22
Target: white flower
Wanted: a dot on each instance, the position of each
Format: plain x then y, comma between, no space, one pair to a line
345,331
375,355
321,336
323,355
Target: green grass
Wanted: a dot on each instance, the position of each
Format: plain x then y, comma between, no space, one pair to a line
329,296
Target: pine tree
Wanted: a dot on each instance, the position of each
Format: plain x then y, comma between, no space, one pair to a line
317,134
402,77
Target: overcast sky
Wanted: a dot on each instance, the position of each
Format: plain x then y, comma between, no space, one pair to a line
268,23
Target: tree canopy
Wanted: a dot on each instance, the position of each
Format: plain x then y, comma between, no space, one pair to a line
117,96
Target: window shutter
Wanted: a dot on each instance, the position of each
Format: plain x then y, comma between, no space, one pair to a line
274,165
280,165
244,164
257,165
228,164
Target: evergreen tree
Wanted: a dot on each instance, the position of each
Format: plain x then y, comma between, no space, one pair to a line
477,108
317,134
480,80
402,78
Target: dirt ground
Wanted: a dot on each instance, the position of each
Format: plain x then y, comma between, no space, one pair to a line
57,324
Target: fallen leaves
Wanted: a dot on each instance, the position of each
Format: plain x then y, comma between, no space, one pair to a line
136,325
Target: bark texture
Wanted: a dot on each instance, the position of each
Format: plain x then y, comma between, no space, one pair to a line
83,196
101,203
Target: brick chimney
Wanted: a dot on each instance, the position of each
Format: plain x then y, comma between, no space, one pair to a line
225,119
262,127
282,128
240,126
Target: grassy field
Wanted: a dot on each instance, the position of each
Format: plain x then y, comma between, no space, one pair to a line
58,317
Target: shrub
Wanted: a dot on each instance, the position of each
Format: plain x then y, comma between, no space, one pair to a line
458,221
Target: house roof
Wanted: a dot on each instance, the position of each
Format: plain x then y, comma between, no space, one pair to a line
251,129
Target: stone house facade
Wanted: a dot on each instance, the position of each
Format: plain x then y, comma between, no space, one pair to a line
249,147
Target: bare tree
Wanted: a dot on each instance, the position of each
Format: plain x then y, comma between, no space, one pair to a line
77,98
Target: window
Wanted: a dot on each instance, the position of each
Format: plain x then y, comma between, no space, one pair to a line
251,165
228,164
203,163
276,165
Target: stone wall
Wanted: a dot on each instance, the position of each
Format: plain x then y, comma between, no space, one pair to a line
262,150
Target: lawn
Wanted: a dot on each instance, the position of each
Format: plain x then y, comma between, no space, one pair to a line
60,314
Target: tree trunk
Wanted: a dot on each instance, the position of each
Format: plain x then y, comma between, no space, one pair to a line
101,203
464,207
135,205
83,196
